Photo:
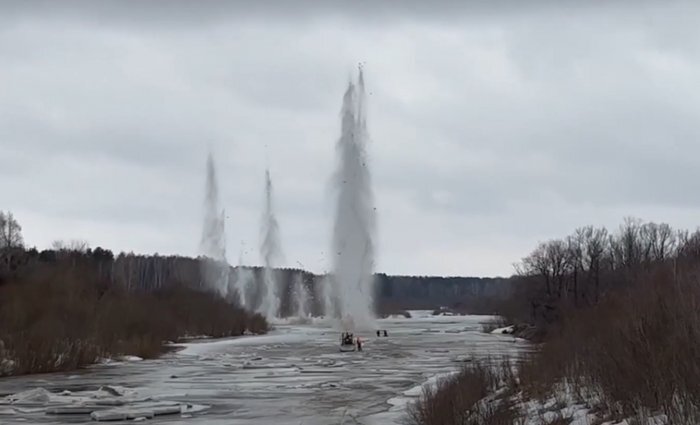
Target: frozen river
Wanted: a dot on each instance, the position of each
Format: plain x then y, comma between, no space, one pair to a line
293,375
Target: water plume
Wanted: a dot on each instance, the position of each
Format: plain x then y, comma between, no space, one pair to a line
328,297
244,283
302,297
353,231
212,246
271,254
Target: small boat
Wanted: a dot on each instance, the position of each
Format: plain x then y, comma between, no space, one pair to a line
345,348
347,342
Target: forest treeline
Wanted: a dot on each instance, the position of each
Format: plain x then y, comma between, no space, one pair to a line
618,313
148,273
71,306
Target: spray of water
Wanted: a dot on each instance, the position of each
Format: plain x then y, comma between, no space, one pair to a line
302,298
353,259
243,281
271,254
214,268
325,292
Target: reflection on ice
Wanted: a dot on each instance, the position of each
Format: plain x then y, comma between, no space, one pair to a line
294,374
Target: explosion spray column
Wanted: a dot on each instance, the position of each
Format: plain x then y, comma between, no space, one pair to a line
214,268
353,232
271,254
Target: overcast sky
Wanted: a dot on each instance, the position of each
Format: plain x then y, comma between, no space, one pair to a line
493,125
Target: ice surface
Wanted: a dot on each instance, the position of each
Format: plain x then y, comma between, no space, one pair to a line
107,403
36,395
294,374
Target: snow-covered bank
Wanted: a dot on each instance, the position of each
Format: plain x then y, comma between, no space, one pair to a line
521,330
508,330
567,404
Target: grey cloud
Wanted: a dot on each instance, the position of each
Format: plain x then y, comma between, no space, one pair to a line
186,12
493,126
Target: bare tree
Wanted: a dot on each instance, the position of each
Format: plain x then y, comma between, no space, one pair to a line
74,245
10,232
596,240
575,246
630,241
556,255
537,264
666,242
648,236
689,244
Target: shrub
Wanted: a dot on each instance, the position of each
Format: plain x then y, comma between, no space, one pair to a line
636,352
463,398
62,317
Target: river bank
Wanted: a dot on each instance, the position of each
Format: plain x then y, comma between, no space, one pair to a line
65,320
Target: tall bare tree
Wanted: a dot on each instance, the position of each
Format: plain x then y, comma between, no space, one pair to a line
575,246
537,263
666,242
629,243
596,240
10,232
557,258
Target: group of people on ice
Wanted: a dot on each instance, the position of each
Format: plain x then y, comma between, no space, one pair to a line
348,339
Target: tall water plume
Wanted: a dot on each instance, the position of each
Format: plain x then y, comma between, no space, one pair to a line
271,254
212,246
353,232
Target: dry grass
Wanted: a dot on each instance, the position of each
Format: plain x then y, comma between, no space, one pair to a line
61,318
463,398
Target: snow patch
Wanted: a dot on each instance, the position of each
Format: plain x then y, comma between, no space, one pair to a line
508,330
397,317
129,359
430,383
